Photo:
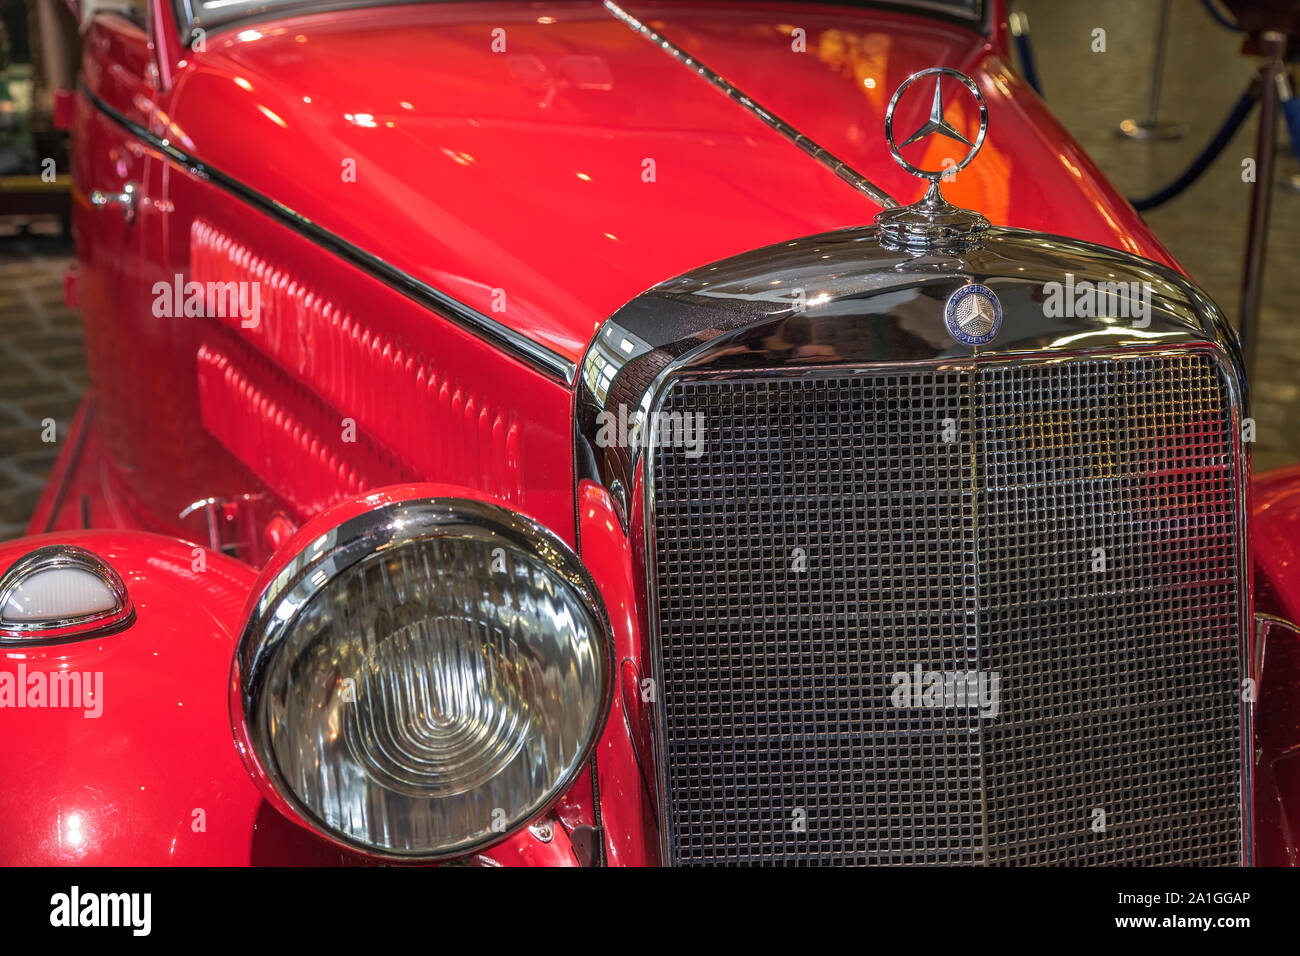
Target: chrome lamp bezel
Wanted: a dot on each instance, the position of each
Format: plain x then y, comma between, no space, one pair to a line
54,630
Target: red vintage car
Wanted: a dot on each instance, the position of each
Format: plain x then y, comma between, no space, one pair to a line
634,433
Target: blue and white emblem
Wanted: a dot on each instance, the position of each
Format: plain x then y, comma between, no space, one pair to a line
973,315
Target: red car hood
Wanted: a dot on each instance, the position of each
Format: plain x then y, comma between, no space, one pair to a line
561,176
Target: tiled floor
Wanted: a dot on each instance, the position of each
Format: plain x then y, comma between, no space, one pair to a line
44,374
43,371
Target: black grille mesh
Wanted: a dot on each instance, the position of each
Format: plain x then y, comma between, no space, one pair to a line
831,535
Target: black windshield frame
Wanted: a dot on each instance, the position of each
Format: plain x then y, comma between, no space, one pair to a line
971,14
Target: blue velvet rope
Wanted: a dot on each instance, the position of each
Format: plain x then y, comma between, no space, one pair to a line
1219,17
1206,156
1029,65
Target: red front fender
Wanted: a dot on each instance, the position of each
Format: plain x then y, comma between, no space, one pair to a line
141,770
1275,545
135,765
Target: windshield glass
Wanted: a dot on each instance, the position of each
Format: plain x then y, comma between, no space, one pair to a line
209,14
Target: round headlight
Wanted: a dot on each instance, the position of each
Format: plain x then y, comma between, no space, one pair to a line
424,678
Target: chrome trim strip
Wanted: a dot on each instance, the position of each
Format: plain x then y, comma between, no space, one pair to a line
840,298
534,354
818,152
1263,623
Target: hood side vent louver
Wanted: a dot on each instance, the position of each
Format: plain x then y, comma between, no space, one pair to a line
262,422
439,429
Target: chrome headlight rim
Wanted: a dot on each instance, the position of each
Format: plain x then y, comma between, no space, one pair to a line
390,525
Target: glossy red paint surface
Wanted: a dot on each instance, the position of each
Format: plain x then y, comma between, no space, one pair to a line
1030,172
70,477
624,755
368,387
419,163
155,460
1275,548
522,170
1275,535
1277,766
145,771
154,779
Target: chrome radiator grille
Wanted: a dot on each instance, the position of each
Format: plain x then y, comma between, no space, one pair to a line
1076,535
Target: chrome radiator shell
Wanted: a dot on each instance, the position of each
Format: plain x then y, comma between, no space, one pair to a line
840,305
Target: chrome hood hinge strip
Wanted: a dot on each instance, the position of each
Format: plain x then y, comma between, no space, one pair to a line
818,152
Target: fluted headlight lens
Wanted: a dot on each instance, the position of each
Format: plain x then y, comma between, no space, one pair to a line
425,678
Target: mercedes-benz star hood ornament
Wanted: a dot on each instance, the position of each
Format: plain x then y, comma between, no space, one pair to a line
933,224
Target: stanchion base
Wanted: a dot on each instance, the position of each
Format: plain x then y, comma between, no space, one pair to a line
1141,129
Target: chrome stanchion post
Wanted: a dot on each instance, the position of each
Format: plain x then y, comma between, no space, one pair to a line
1272,45
1151,127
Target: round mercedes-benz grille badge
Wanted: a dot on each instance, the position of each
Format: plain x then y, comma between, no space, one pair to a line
973,315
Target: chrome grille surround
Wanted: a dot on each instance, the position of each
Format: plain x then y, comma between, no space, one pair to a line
880,313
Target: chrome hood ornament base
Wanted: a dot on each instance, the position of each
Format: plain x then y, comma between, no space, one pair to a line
933,224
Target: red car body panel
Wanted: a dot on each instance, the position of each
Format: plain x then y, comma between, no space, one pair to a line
512,182
154,778
624,755
566,226
487,223
1275,530
1275,546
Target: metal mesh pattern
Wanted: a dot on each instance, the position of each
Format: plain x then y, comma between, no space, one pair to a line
1109,589
837,540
